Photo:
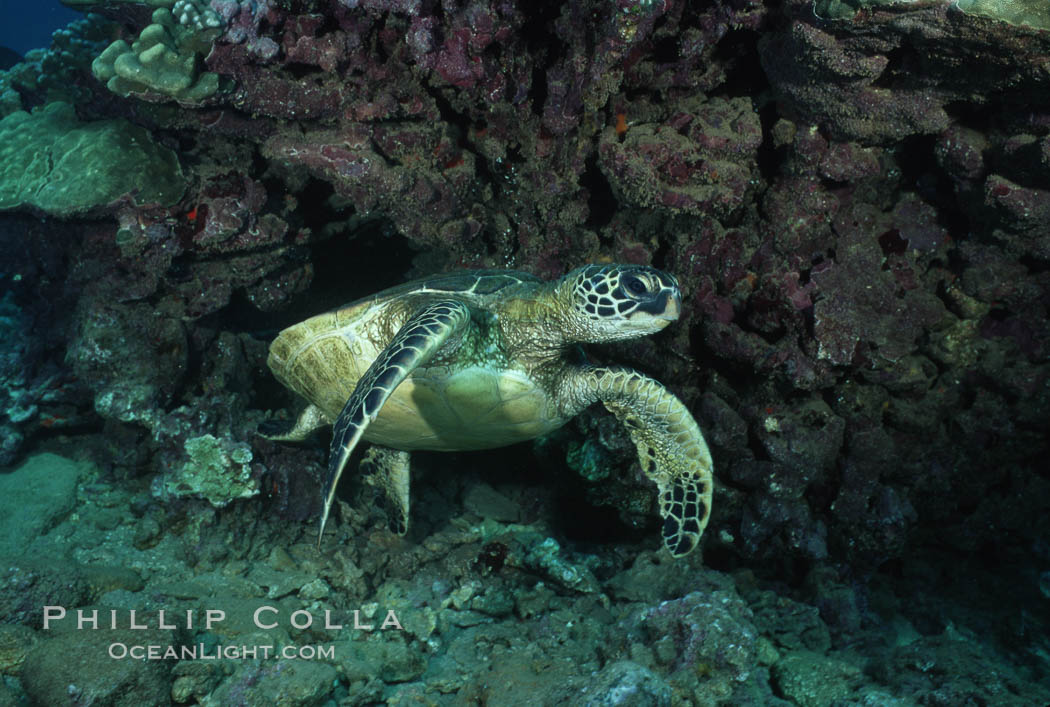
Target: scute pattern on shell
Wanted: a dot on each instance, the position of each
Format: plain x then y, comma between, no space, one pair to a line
477,283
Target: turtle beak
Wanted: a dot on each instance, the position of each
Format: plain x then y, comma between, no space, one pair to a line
673,308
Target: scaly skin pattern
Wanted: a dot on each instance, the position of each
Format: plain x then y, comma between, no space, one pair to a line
486,359
391,475
671,449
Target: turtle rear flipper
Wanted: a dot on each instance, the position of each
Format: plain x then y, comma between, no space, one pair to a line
671,449
390,475
310,419
413,345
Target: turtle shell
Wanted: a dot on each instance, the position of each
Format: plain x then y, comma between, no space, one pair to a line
469,283
475,401
477,287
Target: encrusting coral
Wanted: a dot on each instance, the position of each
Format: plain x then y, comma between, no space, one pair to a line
53,162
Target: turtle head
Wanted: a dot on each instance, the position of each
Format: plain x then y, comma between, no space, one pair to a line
611,302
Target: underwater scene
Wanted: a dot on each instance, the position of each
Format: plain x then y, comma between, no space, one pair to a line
497,352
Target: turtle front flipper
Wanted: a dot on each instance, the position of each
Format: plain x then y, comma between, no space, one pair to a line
413,345
671,449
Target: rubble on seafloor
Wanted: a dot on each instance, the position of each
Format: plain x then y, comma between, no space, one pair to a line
251,611
854,195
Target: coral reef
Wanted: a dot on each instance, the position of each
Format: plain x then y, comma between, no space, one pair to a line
651,630
18,400
56,73
216,471
854,194
700,161
43,154
163,62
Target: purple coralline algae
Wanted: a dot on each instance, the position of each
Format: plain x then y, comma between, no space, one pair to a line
852,215
854,194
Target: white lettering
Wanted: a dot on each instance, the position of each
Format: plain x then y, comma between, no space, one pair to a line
357,622
391,621
302,612
213,616
81,620
134,625
53,612
160,621
258,621
328,621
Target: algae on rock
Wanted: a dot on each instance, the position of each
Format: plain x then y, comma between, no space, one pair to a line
216,470
1031,13
846,9
52,161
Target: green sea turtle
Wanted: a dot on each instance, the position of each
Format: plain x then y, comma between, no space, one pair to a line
487,358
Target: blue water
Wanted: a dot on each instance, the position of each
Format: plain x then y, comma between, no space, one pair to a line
26,25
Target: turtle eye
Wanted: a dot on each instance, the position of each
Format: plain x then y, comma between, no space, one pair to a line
635,285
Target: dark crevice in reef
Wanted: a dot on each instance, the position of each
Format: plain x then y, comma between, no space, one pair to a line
449,115
376,255
601,202
538,34
768,158
902,65
744,75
